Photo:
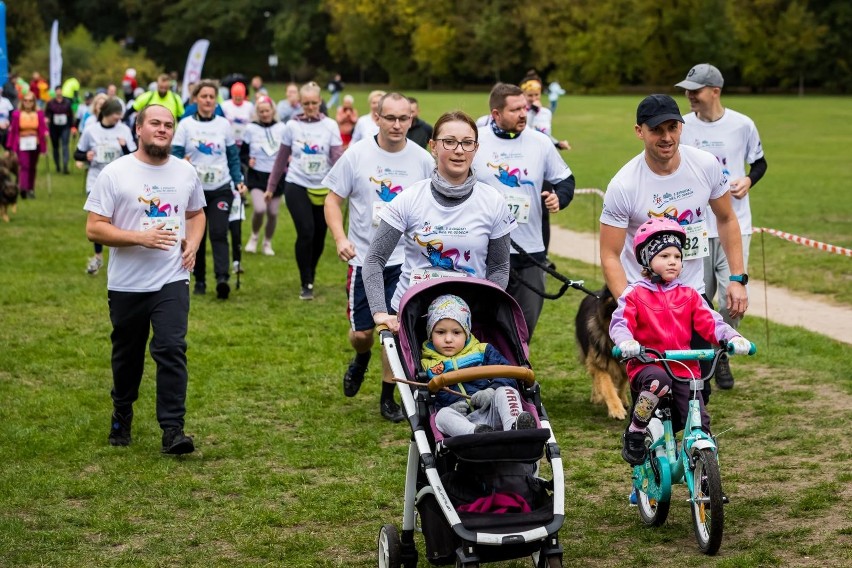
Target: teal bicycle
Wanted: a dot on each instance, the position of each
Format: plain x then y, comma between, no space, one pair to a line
694,461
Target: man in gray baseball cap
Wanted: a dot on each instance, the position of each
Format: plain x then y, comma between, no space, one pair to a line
700,76
731,137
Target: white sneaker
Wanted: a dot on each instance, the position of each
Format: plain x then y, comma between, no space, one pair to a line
94,265
251,245
267,249
238,268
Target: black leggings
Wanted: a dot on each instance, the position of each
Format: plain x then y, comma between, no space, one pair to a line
309,220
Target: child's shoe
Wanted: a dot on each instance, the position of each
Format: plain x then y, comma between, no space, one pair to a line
524,421
633,449
482,428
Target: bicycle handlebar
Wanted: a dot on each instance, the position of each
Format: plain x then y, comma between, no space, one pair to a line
686,354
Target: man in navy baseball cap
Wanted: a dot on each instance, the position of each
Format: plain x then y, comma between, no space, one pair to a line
656,109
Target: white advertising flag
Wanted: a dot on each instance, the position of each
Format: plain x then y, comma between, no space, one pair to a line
55,57
194,64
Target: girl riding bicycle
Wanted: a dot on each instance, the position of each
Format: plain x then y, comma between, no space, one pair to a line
661,312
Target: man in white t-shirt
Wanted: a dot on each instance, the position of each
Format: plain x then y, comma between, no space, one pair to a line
517,160
366,126
731,137
672,181
148,208
370,174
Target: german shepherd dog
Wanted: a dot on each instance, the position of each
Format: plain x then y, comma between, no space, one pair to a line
8,186
610,385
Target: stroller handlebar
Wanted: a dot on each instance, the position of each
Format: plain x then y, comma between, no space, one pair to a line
523,374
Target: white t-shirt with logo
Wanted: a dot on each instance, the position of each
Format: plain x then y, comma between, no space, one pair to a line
264,142
371,178
6,108
205,143
516,168
734,140
636,194
365,127
103,141
136,196
452,241
310,144
239,116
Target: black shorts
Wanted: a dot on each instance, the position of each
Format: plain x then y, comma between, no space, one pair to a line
258,180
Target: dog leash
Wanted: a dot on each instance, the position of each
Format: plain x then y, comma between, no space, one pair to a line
566,282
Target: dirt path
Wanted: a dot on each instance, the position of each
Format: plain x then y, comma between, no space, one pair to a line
776,304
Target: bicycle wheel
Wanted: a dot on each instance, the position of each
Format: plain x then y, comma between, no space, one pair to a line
654,502
708,515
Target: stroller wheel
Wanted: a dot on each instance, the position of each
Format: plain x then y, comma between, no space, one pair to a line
390,555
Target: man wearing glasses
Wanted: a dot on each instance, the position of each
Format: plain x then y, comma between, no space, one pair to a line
732,137
517,161
371,174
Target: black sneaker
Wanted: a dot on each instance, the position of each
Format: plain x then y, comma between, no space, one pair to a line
200,288
633,450
223,289
307,292
391,411
724,378
482,428
352,378
119,432
524,421
177,443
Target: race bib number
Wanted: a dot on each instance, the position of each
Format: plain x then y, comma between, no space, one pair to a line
106,153
211,175
28,143
377,208
425,274
314,164
60,119
697,242
519,206
172,223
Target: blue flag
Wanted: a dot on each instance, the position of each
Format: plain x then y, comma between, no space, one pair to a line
4,56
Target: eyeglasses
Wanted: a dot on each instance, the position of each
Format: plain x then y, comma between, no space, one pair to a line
392,119
451,144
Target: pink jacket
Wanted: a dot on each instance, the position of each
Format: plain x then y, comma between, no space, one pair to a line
663,316
15,132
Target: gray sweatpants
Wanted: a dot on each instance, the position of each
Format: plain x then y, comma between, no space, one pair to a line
500,414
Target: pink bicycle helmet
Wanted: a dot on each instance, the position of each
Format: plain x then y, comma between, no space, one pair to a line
654,228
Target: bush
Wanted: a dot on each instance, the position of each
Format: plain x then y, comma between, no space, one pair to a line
92,63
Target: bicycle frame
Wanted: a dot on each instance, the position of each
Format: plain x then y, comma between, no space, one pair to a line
666,466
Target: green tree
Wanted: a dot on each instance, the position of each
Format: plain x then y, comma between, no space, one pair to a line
92,63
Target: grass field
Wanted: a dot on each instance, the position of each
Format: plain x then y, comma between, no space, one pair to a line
290,473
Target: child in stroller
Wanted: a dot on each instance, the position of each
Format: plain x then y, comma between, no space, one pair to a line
496,402
457,484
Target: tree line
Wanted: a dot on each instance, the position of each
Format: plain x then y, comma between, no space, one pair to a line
588,45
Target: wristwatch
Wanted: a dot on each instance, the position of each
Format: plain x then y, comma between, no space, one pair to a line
741,278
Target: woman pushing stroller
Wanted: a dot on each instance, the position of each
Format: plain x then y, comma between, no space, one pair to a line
495,403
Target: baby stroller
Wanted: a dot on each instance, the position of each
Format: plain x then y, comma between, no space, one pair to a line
477,473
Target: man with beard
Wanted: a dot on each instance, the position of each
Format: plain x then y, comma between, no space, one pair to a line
148,208
517,161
